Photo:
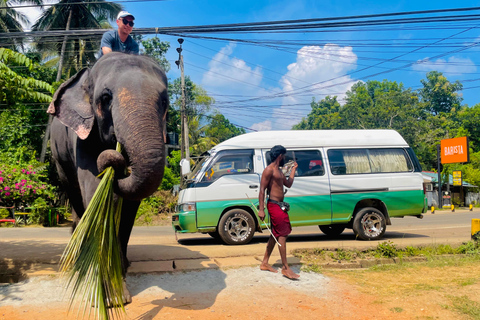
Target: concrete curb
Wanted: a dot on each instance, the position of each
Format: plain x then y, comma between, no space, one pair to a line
14,271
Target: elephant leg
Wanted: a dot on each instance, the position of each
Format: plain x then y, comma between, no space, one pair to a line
129,212
73,191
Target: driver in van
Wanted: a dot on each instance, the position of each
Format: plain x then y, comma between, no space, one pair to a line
273,181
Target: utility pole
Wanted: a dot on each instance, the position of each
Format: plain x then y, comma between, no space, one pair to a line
185,148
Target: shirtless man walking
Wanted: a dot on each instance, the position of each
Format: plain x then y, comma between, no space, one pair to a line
273,180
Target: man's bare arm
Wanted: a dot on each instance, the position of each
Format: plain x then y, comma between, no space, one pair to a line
266,176
288,182
106,50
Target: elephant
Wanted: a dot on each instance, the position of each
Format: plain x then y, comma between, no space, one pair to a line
121,98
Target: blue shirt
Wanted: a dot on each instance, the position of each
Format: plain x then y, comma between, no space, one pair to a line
111,39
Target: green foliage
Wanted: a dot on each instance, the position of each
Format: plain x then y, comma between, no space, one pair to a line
159,205
387,249
39,212
411,251
21,118
21,185
325,115
470,247
169,179
220,129
156,49
439,95
174,162
16,88
341,254
4,213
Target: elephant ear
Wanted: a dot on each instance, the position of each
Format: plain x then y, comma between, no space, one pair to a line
71,104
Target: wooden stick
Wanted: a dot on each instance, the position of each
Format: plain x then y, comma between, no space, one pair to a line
256,210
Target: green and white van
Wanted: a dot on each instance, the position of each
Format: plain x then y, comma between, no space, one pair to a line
356,179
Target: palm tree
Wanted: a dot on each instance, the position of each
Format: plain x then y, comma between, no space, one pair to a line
11,20
66,15
89,14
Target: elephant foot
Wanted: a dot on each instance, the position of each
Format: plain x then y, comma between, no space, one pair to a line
127,298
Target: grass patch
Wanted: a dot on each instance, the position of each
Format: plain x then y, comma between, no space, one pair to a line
388,249
396,309
464,305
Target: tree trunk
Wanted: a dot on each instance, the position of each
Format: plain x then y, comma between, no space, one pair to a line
46,137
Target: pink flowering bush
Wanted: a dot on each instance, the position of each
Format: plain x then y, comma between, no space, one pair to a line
22,185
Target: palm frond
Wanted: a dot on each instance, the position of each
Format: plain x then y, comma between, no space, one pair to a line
91,261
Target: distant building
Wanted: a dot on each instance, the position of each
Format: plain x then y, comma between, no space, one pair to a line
460,195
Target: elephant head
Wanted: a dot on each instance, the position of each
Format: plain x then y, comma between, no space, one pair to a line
122,98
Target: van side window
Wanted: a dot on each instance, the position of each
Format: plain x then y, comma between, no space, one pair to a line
372,160
229,164
309,162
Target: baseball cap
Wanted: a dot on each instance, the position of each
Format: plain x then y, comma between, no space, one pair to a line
123,14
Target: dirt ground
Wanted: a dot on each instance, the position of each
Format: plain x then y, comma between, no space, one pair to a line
248,293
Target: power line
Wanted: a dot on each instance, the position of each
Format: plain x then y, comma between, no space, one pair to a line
285,25
75,3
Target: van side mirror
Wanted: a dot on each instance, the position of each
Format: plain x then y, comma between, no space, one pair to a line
185,166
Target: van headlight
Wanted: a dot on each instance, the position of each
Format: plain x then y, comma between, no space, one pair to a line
187,207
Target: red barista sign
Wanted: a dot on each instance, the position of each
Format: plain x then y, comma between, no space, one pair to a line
454,150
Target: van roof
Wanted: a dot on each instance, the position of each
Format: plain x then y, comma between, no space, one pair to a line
314,138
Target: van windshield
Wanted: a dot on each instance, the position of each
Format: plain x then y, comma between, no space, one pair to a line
199,164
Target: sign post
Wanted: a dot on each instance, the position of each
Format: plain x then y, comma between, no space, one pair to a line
452,151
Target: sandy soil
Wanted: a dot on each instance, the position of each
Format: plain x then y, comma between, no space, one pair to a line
244,293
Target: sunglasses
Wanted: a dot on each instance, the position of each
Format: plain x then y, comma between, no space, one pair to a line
125,22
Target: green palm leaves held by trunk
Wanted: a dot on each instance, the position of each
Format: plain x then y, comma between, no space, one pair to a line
91,261
11,20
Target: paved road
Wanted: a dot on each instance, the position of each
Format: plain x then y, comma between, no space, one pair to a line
155,248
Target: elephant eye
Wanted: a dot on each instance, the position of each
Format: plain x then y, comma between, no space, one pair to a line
106,98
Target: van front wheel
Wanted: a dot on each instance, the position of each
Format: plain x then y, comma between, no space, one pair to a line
236,227
369,224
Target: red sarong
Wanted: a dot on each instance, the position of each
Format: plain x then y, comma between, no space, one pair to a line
281,226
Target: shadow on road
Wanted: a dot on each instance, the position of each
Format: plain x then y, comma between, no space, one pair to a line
298,238
195,290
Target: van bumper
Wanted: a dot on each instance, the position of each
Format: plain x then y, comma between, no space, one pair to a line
184,222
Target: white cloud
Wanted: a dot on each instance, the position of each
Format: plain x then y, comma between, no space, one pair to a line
262,126
317,72
453,65
226,71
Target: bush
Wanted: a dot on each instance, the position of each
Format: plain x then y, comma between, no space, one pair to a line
169,179
4,213
39,212
159,205
21,185
387,249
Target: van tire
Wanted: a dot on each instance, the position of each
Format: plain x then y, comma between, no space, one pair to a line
369,224
214,235
332,230
236,227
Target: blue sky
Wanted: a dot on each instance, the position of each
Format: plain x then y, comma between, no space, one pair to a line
232,71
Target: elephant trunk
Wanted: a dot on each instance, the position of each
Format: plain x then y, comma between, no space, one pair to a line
140,128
